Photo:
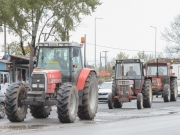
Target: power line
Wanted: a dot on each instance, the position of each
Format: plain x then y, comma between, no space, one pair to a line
121,49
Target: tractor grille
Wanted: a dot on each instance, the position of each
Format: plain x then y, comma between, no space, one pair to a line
103,93
124,90
38,81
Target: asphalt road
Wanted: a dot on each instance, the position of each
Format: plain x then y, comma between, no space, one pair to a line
163,115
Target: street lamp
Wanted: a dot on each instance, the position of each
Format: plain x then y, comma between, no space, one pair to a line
95,44
155,40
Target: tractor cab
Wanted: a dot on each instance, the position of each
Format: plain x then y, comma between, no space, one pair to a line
130,69
63,56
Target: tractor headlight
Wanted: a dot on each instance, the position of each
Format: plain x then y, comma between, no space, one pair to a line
41,85
34,85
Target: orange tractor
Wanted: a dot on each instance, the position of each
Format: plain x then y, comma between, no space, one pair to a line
164,82
130,84
60,79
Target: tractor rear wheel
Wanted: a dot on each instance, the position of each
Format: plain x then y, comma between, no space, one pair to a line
174,89
110,101
40,111
166,93
15,110
2,110
147,94
139,101
88,109
68,101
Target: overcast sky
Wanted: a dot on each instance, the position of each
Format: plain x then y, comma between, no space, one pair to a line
125,24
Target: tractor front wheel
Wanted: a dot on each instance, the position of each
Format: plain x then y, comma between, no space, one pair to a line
40,111
2,110
113,88
68,101
139,101
88,109
15,110
110,101
174,89
117,104
166,93
147,94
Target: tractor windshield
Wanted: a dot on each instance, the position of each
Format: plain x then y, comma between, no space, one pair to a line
52,58
128,71
152,70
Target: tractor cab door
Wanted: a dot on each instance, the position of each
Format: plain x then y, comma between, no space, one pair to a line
76,63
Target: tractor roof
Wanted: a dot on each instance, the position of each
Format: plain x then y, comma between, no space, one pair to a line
128,61
55,44
159,63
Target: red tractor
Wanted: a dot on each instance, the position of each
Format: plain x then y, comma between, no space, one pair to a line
164,82
60,79
130,84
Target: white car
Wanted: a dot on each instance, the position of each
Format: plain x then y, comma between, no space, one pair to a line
2,105
104,90
178,83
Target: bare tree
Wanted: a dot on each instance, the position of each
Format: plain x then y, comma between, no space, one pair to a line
172,36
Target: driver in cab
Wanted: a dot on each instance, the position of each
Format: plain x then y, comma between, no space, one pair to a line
131,72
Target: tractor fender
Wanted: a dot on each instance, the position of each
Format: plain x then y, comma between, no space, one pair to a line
82,78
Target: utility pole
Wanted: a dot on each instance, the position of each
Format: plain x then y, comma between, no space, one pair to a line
105,60
100,62
4,39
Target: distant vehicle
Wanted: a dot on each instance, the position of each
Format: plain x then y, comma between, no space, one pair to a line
4,81
178,82
104,90
2,105
164,81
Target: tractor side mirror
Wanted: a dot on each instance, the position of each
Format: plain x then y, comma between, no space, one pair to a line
75,52
171,67
113,67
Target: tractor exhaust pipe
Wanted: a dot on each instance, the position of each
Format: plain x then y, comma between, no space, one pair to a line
157,74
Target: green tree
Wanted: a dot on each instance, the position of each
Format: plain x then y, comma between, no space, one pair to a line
29,18
121,55
143,56
16,49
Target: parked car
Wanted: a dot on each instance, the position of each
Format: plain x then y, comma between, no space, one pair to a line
178,83
104,90
2,105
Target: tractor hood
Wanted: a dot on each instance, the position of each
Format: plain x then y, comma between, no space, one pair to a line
54,75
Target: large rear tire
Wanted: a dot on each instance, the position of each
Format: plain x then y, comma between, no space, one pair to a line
174,89
88,109
40,111
15,110
166,93
68,101
147,94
